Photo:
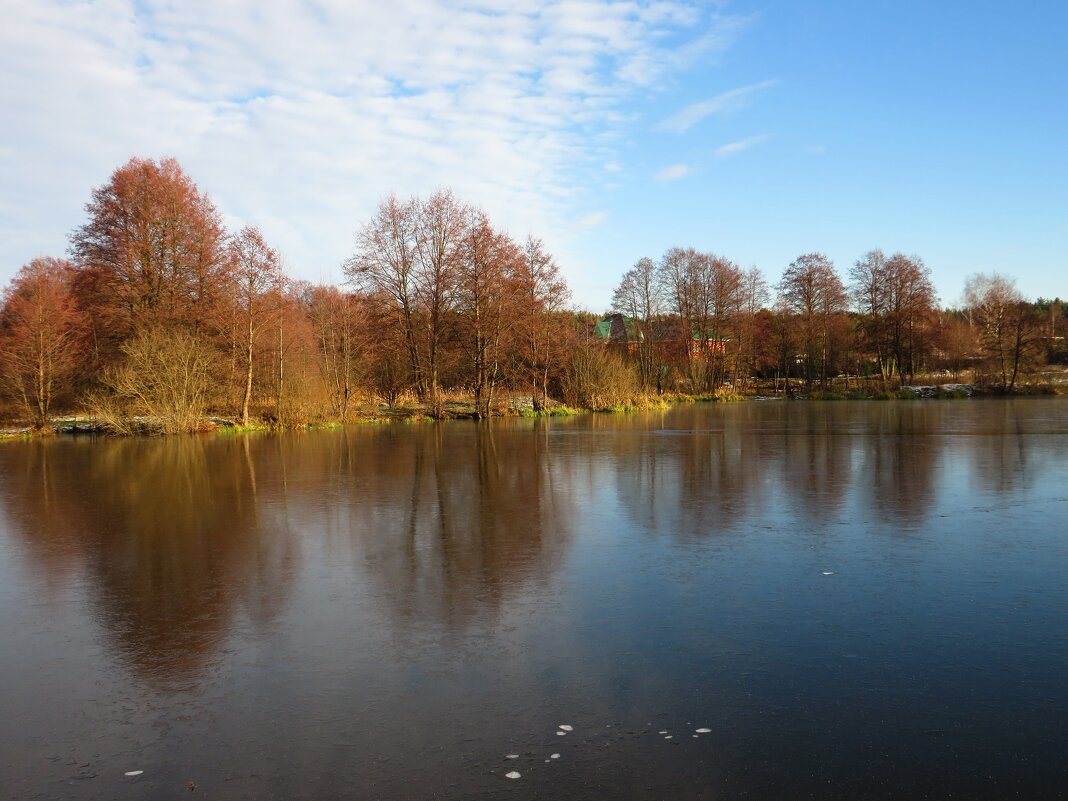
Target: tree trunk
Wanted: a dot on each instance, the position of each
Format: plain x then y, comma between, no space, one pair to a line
278,400
248,375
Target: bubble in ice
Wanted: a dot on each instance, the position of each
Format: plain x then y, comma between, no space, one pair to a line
566,727
512,774
703,731
511,756
554,756
134,772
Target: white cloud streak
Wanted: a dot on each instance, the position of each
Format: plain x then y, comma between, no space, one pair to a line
725,103
732,148
673,173
299,116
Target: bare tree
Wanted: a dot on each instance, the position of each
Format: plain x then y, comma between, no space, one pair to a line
725,283
680,275
1007,326
408,253
910,302
384,266
339,322
812,291
439,233
542,296
753,297
955,340
486,301
256,274
639,296
870,298
894,299
705,293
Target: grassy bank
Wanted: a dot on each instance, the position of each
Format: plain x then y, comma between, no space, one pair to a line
458,406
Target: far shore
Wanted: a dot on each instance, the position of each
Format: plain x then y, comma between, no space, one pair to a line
458,407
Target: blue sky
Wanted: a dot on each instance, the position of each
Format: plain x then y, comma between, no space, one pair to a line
933,128
613,130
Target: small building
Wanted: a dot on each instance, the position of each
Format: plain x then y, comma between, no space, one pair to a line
669,335
619,332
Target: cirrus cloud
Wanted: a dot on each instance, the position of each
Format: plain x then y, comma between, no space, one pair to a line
732,148
673,173
725,103
298,116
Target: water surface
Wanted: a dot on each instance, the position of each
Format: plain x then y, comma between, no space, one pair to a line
859,600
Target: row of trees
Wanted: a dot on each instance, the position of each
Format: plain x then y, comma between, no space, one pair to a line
449,288
160,312
156,306
885,322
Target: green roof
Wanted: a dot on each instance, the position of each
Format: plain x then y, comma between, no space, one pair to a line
603,329
606,329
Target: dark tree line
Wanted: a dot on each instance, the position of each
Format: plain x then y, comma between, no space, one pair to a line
697,320
161,314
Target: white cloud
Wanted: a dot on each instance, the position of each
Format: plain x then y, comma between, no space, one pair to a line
592,220
725,103
299,116
742,144
673,173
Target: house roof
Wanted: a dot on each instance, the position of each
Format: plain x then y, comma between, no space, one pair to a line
618,328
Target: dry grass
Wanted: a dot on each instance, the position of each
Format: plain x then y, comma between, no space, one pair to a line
601,380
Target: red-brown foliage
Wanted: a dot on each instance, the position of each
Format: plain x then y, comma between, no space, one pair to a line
151,254
39,336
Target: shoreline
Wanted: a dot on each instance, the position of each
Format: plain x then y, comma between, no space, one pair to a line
83,425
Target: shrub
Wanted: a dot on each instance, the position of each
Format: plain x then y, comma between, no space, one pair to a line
597,379
166,376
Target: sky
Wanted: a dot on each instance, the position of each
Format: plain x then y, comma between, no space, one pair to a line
611,129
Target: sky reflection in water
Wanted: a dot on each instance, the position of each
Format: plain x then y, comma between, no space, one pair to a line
386,612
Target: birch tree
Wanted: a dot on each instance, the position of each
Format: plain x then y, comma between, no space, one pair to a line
257,276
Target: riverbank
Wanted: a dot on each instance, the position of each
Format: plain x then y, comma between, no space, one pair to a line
458,407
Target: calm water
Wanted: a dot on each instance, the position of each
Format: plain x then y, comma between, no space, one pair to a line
387,612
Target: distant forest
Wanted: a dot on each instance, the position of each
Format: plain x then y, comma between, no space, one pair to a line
159,313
